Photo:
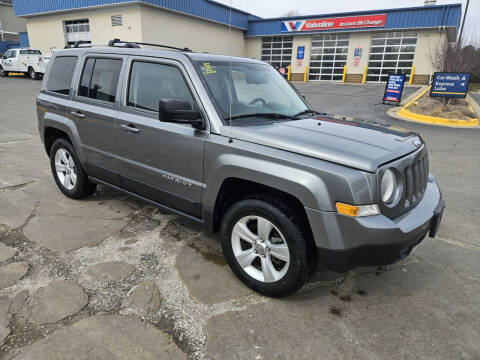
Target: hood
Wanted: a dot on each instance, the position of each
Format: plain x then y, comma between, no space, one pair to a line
358,144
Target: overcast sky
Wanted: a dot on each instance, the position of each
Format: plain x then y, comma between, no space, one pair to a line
274,8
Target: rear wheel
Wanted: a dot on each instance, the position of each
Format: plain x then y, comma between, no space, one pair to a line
265,247
68,172
32,74
3,73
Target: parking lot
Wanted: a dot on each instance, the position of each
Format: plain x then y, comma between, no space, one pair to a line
110,277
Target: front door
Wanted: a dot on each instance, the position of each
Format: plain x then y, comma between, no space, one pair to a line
8,61
159,160
94,109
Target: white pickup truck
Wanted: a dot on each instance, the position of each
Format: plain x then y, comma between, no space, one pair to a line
23,60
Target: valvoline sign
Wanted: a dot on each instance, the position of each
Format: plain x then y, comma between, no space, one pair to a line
348,22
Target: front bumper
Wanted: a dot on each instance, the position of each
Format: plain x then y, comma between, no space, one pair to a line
344,242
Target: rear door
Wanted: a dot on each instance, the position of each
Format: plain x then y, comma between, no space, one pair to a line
94,109
159,160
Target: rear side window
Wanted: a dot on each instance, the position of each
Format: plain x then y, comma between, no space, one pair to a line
150,82
100,79
30,52
61,74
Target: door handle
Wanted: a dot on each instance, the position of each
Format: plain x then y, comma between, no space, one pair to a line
77,114
130,128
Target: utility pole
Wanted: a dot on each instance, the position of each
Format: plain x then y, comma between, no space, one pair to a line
463,24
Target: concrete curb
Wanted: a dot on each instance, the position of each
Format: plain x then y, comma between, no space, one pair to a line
404,114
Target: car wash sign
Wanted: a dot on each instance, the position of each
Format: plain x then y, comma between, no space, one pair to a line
453,85
338,23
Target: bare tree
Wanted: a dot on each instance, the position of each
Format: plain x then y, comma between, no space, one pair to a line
457,57
291,13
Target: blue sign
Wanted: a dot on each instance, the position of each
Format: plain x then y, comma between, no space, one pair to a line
453,85
300,52
394,88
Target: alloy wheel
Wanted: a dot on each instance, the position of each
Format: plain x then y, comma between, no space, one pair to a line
260,249
65,169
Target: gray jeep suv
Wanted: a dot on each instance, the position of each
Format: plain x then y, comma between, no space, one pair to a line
229,143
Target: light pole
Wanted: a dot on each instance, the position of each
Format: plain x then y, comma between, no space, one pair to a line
463,24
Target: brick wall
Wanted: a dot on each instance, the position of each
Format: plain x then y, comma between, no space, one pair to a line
296,76
421,79
353,78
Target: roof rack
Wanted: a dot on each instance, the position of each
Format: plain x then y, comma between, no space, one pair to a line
134,44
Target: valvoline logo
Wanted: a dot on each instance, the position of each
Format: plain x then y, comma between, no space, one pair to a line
288,26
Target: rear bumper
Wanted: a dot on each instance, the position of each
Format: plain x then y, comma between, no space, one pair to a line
344,242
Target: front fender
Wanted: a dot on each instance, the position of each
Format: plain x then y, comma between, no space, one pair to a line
317,184
305,186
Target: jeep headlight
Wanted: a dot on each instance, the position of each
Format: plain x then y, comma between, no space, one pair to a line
389,186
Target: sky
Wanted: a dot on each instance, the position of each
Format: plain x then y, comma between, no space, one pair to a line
274,8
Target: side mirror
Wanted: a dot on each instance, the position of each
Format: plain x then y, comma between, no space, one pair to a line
180,112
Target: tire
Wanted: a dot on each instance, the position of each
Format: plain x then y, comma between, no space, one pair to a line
73,180
32,74
257,254
3,73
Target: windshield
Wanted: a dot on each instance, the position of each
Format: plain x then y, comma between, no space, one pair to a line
256,89
30,52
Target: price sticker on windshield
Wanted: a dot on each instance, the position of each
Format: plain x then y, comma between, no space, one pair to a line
208,69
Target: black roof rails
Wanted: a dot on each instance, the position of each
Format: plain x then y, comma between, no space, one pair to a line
134,44
77,43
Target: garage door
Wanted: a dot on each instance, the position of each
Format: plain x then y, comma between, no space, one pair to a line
277,50
390,53
77,30
328,56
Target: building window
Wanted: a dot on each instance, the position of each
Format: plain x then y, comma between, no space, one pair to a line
391,53
117,20
328,56
277,50
77,30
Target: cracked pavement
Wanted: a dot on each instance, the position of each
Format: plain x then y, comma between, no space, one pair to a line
110,277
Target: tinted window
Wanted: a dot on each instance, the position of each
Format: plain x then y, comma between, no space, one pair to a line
151,82
61,74
100,79
86,77
30,52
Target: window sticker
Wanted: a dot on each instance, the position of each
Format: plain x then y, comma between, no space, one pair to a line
208,69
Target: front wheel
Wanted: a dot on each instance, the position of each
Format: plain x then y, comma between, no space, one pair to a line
3,73
265,247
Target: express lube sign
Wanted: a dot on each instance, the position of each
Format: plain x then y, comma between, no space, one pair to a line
348,22
450,85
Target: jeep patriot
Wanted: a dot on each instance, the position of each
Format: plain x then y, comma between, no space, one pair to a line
228,142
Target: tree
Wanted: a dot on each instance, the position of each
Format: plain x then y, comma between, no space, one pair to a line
291,13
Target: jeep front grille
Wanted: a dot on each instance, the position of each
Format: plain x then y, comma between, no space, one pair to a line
415,181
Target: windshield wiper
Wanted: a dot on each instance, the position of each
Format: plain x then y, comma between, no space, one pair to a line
308,111
262,115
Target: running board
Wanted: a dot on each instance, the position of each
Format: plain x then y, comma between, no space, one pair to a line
143,198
